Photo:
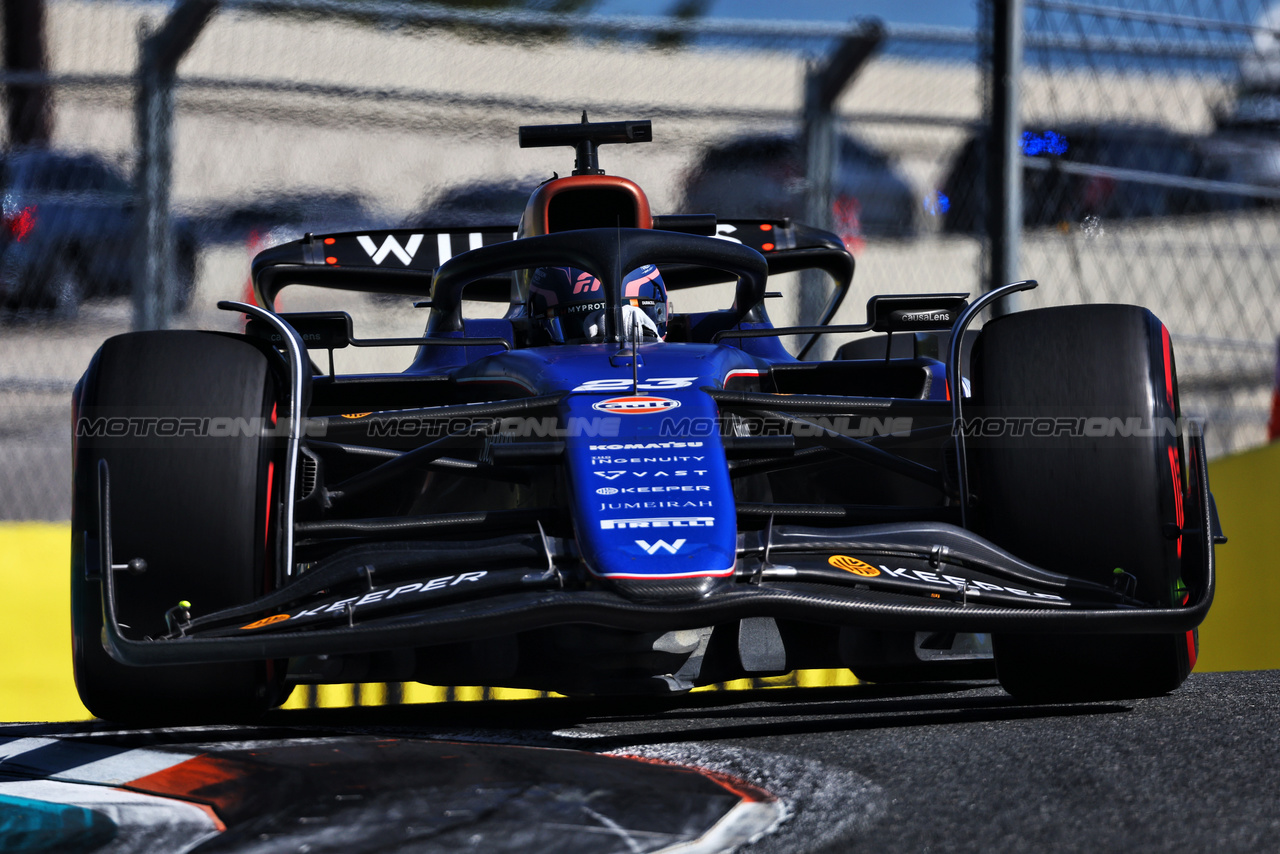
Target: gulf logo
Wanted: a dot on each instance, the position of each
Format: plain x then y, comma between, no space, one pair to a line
636,405
266,621
852,564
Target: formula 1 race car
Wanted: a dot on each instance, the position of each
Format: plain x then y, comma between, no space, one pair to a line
589,495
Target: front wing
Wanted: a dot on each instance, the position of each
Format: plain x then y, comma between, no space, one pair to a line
907,576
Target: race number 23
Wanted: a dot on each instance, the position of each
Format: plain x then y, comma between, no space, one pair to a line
624,384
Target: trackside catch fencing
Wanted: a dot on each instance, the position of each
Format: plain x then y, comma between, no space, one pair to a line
1144,155
183,139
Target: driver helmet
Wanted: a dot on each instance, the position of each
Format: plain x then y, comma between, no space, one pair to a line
568,305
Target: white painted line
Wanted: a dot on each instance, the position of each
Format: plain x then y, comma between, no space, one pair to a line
19,746
745,823
123,767
84,761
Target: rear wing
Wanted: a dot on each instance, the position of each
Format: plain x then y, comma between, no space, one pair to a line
403,261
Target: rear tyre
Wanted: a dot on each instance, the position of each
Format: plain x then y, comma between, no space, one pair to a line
1083,498
193,506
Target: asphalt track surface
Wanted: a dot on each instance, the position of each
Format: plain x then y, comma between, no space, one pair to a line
959,767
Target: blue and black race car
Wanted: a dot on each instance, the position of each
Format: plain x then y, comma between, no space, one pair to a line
593,495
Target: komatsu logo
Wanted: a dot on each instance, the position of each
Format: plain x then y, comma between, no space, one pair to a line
390,246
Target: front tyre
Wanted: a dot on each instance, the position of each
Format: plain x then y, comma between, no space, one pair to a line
190,501
1091,485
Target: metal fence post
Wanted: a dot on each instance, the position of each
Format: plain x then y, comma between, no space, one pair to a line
150,305
160,51
819,133
824,82
1004,178
30,118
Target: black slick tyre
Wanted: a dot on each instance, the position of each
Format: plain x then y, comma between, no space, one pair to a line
1090,485
194,506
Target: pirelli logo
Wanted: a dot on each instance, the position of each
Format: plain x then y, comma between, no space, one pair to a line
671,522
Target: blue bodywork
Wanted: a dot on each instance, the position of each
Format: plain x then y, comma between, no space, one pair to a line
645,464
644,473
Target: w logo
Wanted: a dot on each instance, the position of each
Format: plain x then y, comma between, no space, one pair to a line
391,246
671,548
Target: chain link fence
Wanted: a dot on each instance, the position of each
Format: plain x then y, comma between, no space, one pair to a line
311,116
1152,175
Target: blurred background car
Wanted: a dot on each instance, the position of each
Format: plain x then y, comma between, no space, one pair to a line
1053,196
1247,124
67,232
272,218
764,177
281,217
480,203
1249,140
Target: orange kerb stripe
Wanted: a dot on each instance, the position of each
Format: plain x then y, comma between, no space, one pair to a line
741,788
196,780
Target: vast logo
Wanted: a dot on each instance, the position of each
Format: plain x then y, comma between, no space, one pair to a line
639,405
614,474
391,246
671,548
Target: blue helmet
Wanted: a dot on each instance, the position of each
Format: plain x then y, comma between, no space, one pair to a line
568,305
